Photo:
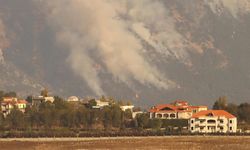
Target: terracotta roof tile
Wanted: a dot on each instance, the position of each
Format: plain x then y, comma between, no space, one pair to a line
22,101
214,113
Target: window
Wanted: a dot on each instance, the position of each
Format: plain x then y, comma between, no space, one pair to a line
192,121
192,128
166,115
159,115
172,115
221,121
211,121
231,128
231,121
221,128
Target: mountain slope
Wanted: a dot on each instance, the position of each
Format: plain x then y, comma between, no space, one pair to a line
147,51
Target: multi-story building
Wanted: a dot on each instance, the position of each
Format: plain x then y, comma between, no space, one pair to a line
213,121
176,110
36,101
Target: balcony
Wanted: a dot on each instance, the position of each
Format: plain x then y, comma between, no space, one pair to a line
210,121
203,123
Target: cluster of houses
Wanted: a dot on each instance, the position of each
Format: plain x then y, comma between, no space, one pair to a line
200,119
10,103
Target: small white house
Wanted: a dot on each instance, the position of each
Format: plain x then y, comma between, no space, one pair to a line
213,121
127,107
134,114
73,99
100,104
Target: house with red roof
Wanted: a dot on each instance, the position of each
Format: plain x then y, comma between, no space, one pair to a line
212,121
10,103
179,109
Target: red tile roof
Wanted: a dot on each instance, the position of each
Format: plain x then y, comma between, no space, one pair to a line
198,106
214,113
180,103
162,106
176,106
22,102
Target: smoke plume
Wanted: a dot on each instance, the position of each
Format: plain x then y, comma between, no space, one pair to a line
234,7
3,40
114,32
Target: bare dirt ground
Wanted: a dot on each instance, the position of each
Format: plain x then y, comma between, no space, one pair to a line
150,143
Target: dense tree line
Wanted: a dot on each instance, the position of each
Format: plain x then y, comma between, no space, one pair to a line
79,116
241,111
64,114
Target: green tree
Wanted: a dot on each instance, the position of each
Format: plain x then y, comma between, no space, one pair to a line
121,103
33,117
15,119
116,115
29,99
81,116
244,111
10,94
60,103
107,117
47,114
1,120
233,109
221,103
127,114
103,99
92,103
142,120
69,119
1,95
45,92
155,124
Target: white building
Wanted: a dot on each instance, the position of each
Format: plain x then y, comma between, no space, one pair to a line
73,99
100,104
127,107
36,101
213,121
134,114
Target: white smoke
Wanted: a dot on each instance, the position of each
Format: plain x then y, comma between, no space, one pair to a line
3,41
152,23
1,56
234,7
97,28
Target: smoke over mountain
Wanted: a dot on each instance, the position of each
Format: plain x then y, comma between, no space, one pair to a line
234,7
3,40
147,50
101,28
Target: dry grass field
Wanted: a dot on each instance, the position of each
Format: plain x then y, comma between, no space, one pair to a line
169,142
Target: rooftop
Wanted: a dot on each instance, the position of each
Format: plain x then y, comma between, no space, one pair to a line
215,113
